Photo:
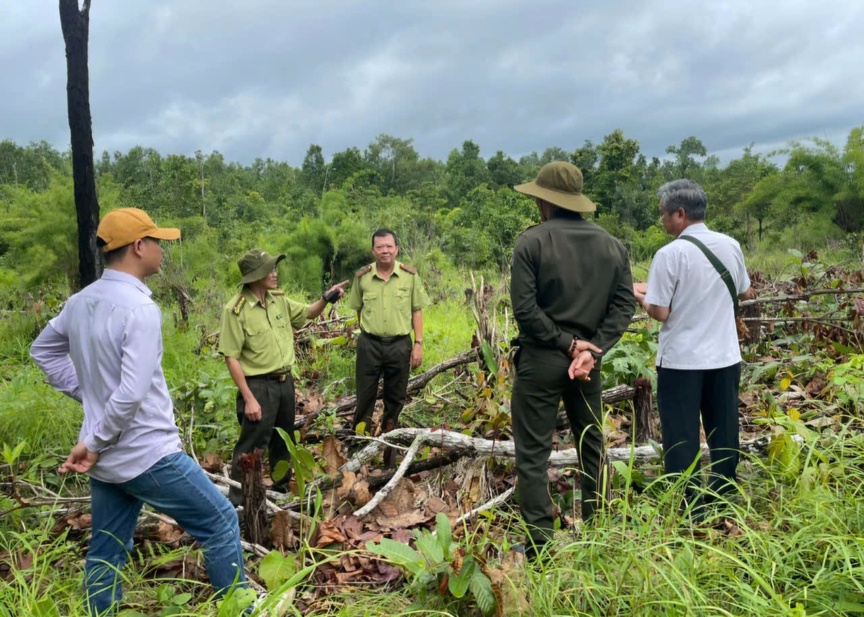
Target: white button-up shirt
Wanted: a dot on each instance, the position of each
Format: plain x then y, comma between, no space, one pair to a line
105,350
700,332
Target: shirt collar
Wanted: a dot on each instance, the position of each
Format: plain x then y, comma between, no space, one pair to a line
396,266
695,227
122,277
252,298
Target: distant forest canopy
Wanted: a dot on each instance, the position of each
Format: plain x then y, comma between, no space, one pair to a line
460,210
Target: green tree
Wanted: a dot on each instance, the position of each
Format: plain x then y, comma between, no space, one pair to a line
465,171
313,172
503,170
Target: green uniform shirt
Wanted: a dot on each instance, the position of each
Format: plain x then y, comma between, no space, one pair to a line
261,339
570,278
385,306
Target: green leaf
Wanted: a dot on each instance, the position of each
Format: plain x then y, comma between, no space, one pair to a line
489,357
481,588
165,593
458,584
444,533
624,469
428,546
44,608
276,568
181,598
399,554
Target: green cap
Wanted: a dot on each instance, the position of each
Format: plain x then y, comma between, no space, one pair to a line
559,183
256,264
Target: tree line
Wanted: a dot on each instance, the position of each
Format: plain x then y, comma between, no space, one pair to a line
459,210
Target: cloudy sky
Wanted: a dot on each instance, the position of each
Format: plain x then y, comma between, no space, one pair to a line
265,78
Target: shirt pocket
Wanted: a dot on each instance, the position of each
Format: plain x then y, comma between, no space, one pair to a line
370,300
402,296
281,321
256,338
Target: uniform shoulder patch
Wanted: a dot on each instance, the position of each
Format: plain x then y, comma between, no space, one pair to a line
277,292
363,271
408,269
238,305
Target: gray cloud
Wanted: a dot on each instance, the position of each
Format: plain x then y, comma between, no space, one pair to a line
267,78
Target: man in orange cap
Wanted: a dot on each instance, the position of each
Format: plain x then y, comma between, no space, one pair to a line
104,350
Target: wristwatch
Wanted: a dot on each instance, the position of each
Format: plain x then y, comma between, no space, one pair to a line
418,341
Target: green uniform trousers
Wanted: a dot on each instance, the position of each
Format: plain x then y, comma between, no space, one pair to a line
541,383
377,357
276,398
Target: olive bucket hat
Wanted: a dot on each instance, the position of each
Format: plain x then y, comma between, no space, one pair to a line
559,183
256,264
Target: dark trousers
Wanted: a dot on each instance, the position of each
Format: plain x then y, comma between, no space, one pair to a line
277,411
389,358
680,396
541,383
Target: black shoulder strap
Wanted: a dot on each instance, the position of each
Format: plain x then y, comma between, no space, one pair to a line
718,265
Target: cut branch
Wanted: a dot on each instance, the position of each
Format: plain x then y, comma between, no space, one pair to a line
380,495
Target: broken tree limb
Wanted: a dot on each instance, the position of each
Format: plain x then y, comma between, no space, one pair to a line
475,446
415,384
380,495
802,296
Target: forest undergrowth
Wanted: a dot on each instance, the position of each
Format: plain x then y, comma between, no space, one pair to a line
444,541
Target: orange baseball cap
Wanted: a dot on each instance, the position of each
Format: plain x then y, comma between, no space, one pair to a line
126,225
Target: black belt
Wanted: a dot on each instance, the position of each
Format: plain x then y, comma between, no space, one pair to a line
272,376
386,340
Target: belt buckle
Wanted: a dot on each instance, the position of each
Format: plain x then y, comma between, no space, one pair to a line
282,377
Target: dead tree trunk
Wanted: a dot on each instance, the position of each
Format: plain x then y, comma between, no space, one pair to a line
643,412
254,498
75,24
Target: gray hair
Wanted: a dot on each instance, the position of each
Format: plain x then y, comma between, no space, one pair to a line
684,194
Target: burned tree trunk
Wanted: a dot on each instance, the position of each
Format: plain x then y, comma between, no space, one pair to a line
643,412
254,498
75,24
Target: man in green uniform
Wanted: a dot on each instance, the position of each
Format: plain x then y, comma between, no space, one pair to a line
257,341
389,299
572,296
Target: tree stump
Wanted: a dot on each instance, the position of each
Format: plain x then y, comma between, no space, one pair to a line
643,412
254,498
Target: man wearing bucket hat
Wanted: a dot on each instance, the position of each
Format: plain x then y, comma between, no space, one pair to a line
104,350
693,290
257,341
572,297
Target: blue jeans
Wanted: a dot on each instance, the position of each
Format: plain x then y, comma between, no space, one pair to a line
175,486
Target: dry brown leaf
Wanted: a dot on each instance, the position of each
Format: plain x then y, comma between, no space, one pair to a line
510,580
401,499
169,534
328,533
402,535
435,505
333,458
212,462
352,527
406,519
281,533
81,521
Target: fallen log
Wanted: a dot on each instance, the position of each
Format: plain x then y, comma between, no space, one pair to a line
476,446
